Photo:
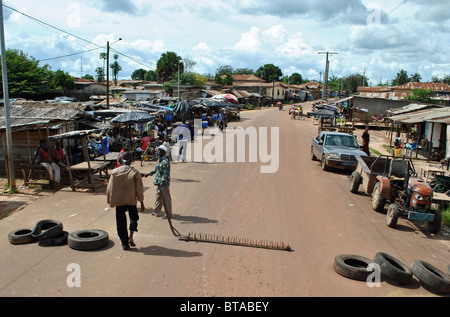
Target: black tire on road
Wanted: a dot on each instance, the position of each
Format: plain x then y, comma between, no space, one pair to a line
47,228
60,239
435,225
86,240
431,276
352,266
378,201
392,215
355,181
21,236
392,268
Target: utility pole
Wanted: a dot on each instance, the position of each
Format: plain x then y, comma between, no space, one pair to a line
107,71
327,68
107,75
179,98
9,145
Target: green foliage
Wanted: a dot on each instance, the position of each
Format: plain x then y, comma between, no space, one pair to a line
116,68
228,80
167,66
150,75
269,73
218,79
138,74
100,74
446,217
352,82
87,76
223,70
61,80
142,74
420,95
25,77
249,107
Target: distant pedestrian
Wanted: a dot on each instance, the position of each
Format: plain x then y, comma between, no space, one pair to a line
222,120
162,181
366,140
124,190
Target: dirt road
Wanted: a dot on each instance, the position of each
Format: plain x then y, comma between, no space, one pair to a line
300,205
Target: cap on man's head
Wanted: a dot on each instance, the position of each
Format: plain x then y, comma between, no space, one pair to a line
127,158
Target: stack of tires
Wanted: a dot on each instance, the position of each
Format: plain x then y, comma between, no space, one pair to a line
359,268
50,232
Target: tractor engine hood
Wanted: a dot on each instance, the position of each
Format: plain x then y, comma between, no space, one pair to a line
419,186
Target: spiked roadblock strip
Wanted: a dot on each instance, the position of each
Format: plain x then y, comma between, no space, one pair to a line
235,241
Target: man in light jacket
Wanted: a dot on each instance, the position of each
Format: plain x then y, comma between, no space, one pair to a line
124,190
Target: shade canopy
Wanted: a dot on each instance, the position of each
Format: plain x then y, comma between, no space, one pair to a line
324,114
133,117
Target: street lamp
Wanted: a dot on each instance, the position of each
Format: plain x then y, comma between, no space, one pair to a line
107,70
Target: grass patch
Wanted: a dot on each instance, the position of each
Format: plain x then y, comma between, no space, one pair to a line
374,151
446,217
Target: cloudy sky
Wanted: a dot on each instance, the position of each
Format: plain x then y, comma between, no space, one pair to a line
375,37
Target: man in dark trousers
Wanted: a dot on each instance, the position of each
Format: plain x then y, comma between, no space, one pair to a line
124,190
162,181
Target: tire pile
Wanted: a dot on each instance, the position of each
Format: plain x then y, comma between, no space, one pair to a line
357,267
49,232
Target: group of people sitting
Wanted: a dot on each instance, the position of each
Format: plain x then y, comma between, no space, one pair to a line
51,159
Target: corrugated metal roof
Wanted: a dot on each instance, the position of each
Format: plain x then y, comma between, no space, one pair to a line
429,115
409,108
21,116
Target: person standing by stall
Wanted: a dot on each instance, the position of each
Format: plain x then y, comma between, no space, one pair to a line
366,140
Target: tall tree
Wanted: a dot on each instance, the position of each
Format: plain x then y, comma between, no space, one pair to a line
103,57
116,68
269,73
244,71
416,78
228,80
61,80
223,70
25,76
218,79
167,66
100,74
139,74
150,75
401,78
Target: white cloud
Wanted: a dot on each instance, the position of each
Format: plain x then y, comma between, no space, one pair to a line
250,41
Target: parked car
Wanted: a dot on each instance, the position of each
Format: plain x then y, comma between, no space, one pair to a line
336,150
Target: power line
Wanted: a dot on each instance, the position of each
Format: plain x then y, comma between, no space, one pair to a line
45,24
68,55
51,26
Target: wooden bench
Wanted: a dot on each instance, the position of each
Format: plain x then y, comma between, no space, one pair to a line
33,168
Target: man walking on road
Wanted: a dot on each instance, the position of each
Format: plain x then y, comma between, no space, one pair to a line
162,181
124,190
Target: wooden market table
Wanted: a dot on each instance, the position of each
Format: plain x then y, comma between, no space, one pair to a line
91,168
426,172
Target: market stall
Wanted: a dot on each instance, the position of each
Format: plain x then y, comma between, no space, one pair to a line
86,170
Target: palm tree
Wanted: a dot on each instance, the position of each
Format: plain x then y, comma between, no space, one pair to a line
103,56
